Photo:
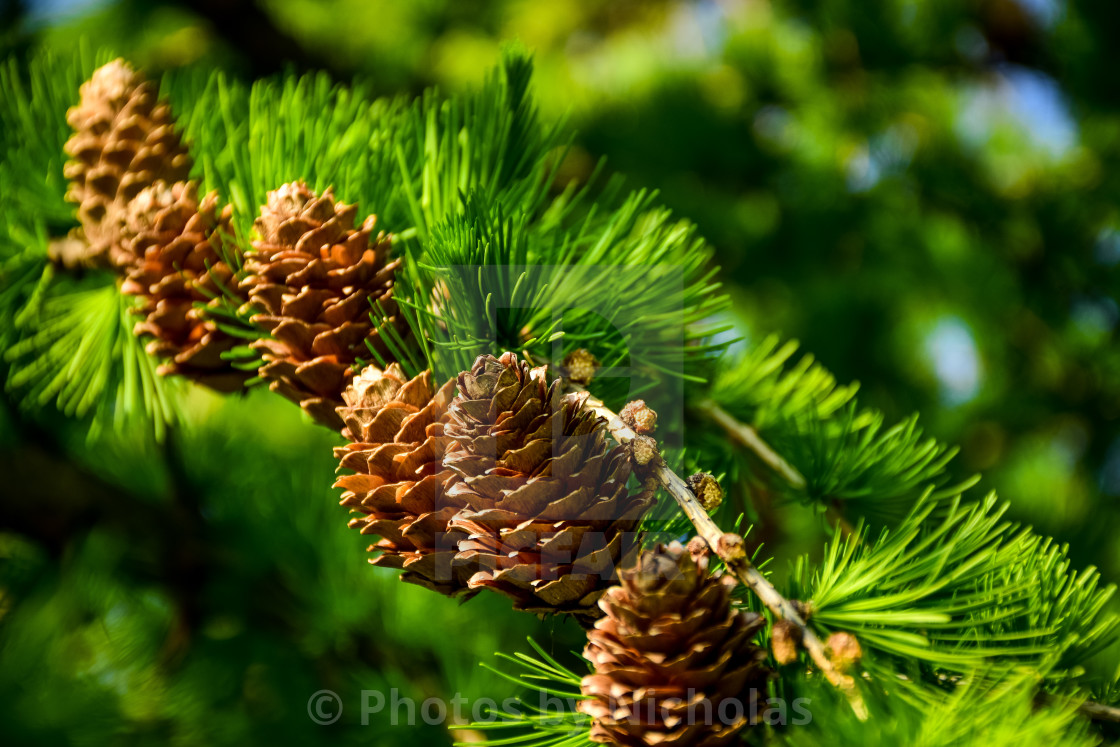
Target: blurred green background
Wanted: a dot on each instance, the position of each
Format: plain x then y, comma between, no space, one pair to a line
924,192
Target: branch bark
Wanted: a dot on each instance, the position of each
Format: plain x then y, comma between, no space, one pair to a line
747,437
730,549
1099,711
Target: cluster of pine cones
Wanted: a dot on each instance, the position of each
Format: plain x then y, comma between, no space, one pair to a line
511,485
498,480
309,281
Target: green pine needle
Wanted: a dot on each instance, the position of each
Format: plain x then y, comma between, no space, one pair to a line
848,456
33,129
957,594
531,724
78,353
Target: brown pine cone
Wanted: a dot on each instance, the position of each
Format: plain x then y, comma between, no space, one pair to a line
176,270
311,278
547,509
124,141
395,426
669,653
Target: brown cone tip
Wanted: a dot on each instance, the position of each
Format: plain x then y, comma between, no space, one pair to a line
644,451
312,280
671,646
707,490
124,141
785,641
546,511
639,416
397,489
177,273
844,650
580,366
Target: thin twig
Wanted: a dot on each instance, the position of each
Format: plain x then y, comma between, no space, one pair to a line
1090,709
734,556
748,437
1099,711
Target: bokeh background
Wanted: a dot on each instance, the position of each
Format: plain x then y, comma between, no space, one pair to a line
926,193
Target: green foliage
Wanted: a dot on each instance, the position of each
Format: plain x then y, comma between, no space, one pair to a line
545,718
489,143
630,286
870,471
208,608
408,162
957,594
999,711
69,342
844,455
503,250
542,269
762,387
995,706
247,141
33,129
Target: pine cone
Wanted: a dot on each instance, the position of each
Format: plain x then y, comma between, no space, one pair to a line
175,267
312,277
396,429
669,652
546,503
124,141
